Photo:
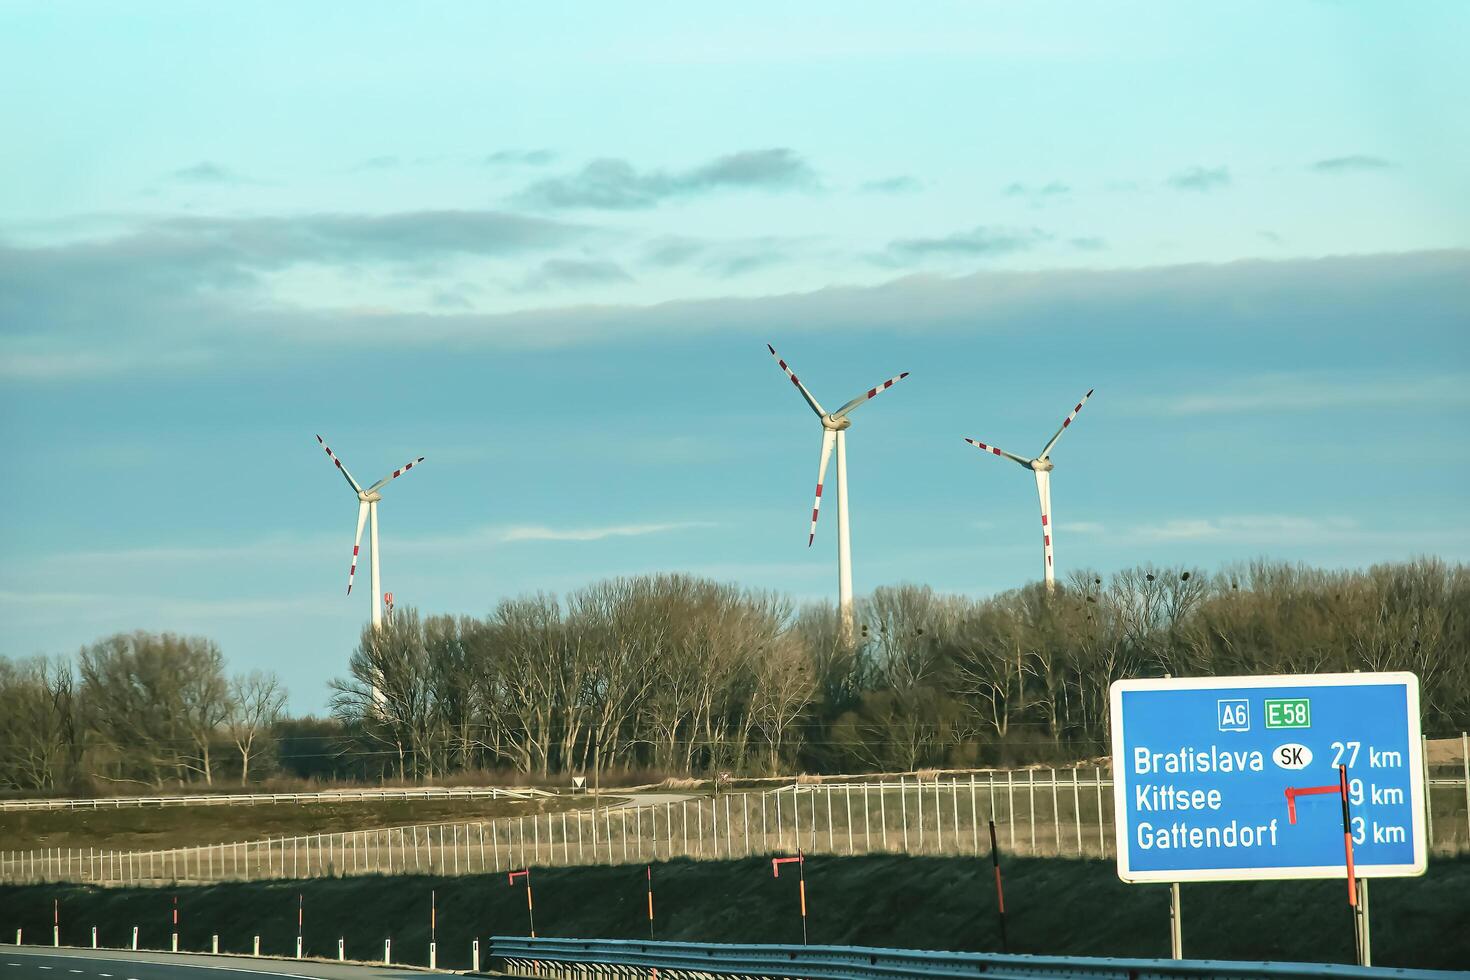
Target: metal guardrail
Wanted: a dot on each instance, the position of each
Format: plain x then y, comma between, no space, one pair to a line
630,958
252,799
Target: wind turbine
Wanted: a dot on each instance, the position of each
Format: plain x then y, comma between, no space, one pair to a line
1042,467
367,506
834,428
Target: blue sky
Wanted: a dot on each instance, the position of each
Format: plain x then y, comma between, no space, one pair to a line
544,246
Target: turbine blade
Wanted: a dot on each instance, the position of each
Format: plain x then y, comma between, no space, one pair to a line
362,513
999,452
396,474
870,393
1066,422
350,481
828,438
799,386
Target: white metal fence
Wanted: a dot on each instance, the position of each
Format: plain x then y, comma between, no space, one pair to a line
252,799
1055,812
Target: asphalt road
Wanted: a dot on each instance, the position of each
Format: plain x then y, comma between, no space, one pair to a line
42,963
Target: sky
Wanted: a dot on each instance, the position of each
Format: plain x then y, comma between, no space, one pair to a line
545,246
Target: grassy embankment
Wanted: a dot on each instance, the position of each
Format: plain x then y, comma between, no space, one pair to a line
1056,906
154,827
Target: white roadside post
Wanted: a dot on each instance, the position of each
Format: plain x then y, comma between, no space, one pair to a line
475,956
1176,923
94,937
135,939
214,944
341,950
387,952
255,947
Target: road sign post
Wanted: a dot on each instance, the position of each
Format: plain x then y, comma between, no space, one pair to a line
530,905
1000,892
800,862
648,870
1203,766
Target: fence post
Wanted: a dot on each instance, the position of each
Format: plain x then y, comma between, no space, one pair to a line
1465,758
903,806
1428,794
919,799
1011,808
1077,808
1031,805
975,817
1102,838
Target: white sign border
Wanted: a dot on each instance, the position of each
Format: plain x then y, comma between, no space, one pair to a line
1416,777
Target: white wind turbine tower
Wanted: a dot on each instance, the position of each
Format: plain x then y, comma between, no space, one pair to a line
834,427
367,507
1042,467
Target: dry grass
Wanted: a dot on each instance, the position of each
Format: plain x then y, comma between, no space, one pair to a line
147,828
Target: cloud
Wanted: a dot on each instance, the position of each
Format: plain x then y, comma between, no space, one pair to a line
70,606
166,277
1248,528
612,184
388,162
979,241
1357,163
673,250
723,259
1200,179
892,185
206,172
529,158
536,532
1037,193
1309,392
574,272
1082,527
94,310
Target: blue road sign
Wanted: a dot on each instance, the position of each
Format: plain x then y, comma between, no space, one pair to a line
1201,769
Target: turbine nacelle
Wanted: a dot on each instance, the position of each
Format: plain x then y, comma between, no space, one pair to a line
369,496
1041,464
832,423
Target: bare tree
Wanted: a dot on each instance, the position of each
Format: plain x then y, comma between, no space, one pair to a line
256,701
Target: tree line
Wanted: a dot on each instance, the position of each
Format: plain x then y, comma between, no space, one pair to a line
684,676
